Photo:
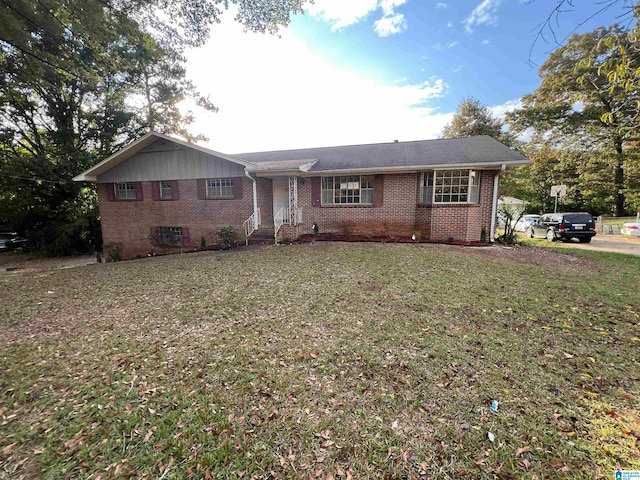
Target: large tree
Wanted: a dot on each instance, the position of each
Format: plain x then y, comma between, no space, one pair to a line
578,109
473,118
78,79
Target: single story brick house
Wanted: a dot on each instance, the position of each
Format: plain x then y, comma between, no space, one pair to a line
160,193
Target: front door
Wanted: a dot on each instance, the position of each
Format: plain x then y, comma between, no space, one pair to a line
281,198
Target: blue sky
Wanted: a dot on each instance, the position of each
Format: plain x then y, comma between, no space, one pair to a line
366,71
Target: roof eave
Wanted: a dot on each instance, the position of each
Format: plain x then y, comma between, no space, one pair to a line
422,168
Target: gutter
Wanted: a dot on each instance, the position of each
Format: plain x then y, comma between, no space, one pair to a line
414,168
256,223
494,203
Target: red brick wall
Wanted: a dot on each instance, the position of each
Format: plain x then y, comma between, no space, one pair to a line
130,222
395,217
460,222
265,200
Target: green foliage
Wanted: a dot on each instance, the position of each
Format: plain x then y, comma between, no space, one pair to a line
510,215
473,118
203,243
315,228
484,236
112,252
227,237
579,117
80,80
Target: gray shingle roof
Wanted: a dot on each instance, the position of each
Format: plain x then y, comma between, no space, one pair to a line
469,151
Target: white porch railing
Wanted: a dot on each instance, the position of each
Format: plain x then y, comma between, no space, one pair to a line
279,219
283,217
251,224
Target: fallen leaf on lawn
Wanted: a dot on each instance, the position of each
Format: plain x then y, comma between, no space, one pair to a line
522,450
148,435
329,476
568,355
7,449
565,469
313,354
327,444
491,437
326,434
38,451
349,474
339,471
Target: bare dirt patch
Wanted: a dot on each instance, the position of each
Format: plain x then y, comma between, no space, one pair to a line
10,261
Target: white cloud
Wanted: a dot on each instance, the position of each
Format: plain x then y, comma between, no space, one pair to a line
486,42
483,14
441,5
499,111
341,14
452,44
449,24
390,25
268,102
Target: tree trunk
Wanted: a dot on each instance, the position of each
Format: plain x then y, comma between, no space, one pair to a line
619,180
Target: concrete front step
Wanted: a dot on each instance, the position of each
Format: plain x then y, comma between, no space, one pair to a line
262,237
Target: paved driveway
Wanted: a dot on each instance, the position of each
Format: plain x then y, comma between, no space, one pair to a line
612,243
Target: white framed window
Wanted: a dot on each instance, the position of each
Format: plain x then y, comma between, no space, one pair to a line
219,187
170,235
349,190
165,190
426,190
125,191
451,186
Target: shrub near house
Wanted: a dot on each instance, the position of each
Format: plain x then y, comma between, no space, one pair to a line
162,194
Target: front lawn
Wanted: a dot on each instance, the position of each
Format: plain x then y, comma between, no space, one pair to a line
323,361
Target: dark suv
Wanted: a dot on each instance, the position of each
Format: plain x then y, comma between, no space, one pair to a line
564,226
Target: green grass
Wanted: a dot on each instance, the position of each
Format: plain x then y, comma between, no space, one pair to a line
323,361
618,220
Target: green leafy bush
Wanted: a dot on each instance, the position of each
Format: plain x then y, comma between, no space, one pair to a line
112,252
227,237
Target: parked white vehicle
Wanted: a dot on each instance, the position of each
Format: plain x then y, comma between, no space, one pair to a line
525,222
631,228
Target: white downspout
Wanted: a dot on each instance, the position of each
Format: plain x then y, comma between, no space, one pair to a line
494,203
256,223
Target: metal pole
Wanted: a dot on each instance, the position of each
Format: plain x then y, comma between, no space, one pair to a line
555,207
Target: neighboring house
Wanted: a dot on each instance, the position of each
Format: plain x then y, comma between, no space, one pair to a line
514,204
160,193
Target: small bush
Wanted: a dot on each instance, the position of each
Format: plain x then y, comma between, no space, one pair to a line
112,252
203,244
511,216
345,227
227,237
315,228
484,236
